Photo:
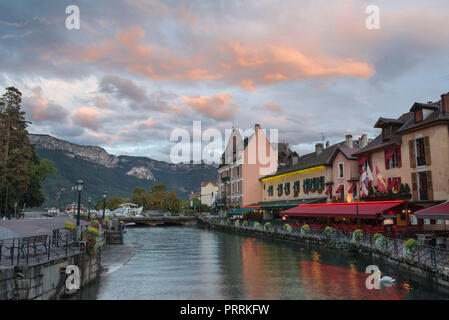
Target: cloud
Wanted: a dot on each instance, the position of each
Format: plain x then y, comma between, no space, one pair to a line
218,106
42,110
87,118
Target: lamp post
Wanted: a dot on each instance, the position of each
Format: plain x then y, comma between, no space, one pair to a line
88,211
105,193
79,188
6,202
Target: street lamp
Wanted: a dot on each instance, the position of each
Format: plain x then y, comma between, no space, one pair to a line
88,211
6,202
105,193
79,188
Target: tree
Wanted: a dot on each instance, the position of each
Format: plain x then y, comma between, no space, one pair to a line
17,157
141,198
158,197
173,202
34,196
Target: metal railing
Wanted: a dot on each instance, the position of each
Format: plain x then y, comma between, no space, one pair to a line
424,256
35,249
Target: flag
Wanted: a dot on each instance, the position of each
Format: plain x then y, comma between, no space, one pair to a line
364,181
369,173
381,184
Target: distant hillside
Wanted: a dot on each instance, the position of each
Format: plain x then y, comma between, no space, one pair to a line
118,175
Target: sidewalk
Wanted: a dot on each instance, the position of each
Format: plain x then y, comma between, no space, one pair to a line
30,227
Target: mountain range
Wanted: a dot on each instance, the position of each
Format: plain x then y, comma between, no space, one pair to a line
118,175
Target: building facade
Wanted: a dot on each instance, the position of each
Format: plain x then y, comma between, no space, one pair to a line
327,174
209,191
412,152
242,166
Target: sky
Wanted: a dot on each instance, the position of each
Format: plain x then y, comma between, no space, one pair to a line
136,70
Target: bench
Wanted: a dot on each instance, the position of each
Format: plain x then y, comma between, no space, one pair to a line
34,242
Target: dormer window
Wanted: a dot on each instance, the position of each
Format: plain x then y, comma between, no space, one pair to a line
418,115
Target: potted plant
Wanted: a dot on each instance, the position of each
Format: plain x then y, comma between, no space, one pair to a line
90,236
287,227
267,225
357,237
380,242
328,232
305,229
410,249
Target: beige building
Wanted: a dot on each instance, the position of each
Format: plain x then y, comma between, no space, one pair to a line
209,191
413,151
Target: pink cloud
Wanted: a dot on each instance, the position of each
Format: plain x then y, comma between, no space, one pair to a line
218,107
87,117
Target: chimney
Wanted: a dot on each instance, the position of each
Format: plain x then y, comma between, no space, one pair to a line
319,148
445,103
363,141
349,141
327,144
295,159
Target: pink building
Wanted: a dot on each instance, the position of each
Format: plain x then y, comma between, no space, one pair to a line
241,167
345,172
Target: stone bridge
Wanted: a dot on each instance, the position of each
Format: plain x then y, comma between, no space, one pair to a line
161,220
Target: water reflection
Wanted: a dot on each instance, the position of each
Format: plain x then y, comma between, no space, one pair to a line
190,263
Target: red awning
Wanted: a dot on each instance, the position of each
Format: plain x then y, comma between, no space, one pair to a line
352,188
328,190
366,210
338,189
440,212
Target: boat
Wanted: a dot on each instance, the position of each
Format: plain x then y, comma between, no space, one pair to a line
53,212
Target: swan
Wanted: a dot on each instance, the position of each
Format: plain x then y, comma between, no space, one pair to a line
385,280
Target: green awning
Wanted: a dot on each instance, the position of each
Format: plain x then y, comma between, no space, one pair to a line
286,204
240,211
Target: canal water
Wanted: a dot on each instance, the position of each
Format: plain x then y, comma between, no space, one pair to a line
191,263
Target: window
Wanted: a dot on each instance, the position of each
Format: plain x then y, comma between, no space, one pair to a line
270,191
423,186
420,152
280,189
341,170
287,188
394,160
296,188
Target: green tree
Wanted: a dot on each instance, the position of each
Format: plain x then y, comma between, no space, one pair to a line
141,198
34,196
17,156
158,197
173,202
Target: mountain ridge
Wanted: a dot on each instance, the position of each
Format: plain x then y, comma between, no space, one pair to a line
119,175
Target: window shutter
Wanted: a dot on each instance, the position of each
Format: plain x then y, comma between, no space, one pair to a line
427,150
414,187
398,157
387,161
411,148
429,184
